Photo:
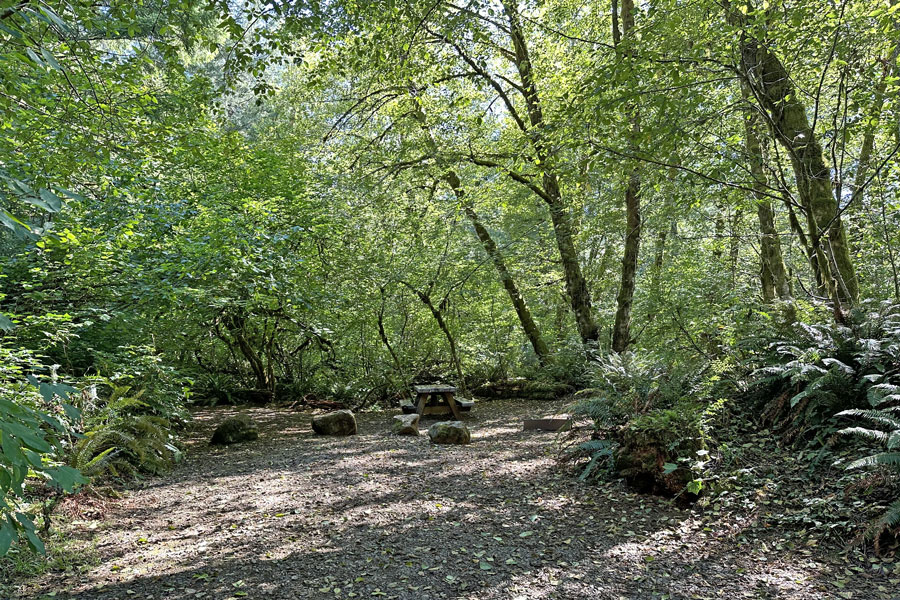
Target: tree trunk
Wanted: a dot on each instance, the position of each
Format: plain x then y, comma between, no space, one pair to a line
773,274
576,286
532,332
529,327
625,298
773,89
868,144
439,318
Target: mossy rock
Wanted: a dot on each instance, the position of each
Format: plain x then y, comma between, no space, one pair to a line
449,432
235,430
339,422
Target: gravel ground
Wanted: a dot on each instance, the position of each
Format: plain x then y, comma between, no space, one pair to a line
294,515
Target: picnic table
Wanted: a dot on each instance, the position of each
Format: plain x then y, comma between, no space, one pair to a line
436,400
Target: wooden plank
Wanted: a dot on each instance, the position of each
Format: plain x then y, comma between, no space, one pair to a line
547,424
448,396
434,389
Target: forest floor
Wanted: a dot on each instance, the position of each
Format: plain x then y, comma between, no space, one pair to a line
293,515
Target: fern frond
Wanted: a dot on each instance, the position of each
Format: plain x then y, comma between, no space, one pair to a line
876,416
888,459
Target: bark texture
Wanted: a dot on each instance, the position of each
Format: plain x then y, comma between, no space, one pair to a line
563,229
773,275
772,87
625,298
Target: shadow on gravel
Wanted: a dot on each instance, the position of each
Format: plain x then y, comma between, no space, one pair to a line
297,516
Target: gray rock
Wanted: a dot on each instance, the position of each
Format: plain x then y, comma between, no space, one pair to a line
449,432
234,430
339,422
405,425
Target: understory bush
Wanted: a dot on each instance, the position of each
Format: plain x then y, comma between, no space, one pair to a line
650,422
825,369
123,437
827,373
883,428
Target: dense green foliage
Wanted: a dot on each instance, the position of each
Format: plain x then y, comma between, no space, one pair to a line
655,202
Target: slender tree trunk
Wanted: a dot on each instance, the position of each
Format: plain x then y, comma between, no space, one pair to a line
734,249
656,275
719,233
383,335
529,327
439,318
563,229
774,278
625,298
888,71
775,92
532,332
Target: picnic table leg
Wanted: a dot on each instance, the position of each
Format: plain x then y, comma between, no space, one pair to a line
421,408
452,403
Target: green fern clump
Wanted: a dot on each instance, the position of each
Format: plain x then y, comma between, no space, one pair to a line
885,430
629,384
827,369
122,440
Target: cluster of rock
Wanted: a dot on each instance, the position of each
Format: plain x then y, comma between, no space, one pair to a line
342,422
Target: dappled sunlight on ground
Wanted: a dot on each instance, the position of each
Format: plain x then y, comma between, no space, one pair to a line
293,515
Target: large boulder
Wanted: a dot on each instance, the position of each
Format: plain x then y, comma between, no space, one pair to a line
405,425
449,432
339,422
235,429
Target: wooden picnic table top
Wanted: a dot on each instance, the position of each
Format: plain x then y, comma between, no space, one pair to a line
434,389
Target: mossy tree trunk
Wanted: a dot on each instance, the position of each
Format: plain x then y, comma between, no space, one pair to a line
773,275
774,90
624,42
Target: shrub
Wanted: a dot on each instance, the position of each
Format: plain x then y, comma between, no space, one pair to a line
827,369
123,437
650,424
34,422
885,430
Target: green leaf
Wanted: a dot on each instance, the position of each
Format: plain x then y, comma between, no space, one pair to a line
52,200
66,477
50,59
8,535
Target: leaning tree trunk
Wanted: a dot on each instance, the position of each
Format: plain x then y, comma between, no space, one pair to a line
529,327
772,86
563,229
625,298
773,275
442,324
532,332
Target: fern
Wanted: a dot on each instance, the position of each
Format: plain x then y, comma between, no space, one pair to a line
889,438
827,370
121,442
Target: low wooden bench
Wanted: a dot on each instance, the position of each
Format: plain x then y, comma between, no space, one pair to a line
436,400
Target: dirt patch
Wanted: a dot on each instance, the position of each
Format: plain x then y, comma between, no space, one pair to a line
293,515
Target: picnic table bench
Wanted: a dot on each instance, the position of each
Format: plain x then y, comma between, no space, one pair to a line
436,400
